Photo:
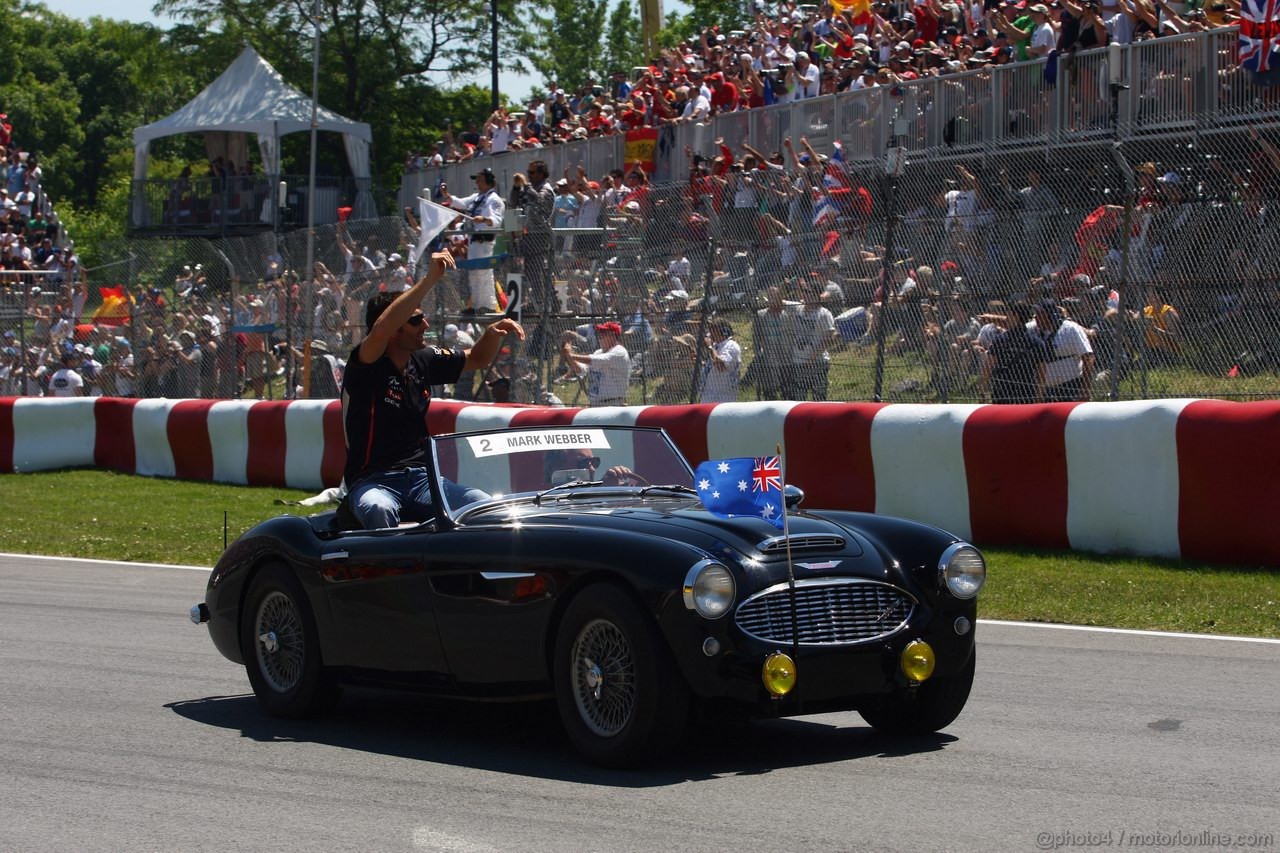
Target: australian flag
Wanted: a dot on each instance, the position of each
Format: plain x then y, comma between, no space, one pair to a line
744,486
1259,29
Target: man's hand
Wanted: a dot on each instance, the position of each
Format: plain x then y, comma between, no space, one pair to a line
507,326
620,475
440,261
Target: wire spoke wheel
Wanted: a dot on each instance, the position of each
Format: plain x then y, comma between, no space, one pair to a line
279,642
604,677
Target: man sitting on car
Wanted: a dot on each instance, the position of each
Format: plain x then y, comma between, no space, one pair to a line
386,390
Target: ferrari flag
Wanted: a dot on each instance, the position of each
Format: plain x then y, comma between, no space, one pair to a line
743,486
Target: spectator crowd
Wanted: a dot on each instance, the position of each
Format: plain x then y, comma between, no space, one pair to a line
793,53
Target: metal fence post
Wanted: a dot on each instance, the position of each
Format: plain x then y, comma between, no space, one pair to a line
695,389
895,158
1117,353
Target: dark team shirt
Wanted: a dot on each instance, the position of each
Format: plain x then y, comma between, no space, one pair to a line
384,411
1017,354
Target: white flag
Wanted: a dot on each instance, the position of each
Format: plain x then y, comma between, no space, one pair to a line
434,218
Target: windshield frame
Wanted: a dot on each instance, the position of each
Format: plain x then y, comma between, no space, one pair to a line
456,516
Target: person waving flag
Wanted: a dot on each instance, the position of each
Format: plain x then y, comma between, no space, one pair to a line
742,487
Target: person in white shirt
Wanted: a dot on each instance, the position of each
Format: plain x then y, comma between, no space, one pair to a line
697,108
1043,37
1068,376
486,209
608,368
396,273
815,331
66,382
723,366
808,78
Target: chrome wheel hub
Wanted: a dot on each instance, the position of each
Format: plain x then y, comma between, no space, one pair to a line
281,646
595,678
604,678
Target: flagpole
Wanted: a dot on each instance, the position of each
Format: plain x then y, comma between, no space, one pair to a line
791,572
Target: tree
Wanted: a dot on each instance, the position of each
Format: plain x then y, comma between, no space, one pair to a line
377,59
565,44
623,45
725,14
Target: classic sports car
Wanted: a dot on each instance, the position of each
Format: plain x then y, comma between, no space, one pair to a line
593,572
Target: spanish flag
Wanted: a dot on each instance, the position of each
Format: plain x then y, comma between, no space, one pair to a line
859,10
114,310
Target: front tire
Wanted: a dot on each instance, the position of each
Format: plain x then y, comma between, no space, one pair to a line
935,706
621,698
281,647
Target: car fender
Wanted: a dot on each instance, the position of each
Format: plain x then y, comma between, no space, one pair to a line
632,570
286,539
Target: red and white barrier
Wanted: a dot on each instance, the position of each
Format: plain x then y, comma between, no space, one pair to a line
1193,478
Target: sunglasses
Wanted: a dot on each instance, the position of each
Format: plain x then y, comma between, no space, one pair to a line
417,320
588,461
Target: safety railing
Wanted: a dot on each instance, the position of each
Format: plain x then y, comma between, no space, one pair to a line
1172,84
205,205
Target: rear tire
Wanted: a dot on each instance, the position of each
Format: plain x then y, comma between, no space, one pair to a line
621,697
281,647
935,706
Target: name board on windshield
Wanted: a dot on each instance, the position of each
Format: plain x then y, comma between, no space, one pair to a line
537,439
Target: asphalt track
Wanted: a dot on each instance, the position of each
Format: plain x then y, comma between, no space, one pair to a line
122,729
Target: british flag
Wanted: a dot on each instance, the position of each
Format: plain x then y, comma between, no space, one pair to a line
766,474
1259,28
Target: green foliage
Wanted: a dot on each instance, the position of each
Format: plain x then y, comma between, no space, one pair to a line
623,41
75,90
566,42
726,14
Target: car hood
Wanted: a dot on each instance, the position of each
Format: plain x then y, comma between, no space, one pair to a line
752,538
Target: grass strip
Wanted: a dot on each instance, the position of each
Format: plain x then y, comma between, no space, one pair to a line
110,516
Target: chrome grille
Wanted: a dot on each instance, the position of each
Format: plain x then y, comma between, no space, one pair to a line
829,612
802,542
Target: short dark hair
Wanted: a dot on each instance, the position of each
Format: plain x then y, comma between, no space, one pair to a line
374,308
540,165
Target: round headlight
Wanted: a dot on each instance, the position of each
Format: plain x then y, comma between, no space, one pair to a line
962,570
709,589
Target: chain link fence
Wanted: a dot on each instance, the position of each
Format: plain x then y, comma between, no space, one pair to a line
1130,227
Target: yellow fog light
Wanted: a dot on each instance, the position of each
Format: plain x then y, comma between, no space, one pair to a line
779,674
918,660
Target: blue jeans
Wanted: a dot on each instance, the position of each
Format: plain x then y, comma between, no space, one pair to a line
384,499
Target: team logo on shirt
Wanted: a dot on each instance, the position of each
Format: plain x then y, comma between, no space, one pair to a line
394,394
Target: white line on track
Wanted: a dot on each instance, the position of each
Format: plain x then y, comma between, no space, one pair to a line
996,622
1132,631
122,563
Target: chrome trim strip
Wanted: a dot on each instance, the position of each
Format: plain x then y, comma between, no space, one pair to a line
335,555
801,541
506,576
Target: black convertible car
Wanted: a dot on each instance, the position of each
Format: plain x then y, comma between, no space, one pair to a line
593,572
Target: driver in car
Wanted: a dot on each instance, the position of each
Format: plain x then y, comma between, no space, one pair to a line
386,390
584,463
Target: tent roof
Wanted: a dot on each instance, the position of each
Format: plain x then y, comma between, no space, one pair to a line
252,97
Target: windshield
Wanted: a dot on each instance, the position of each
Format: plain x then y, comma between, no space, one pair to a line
504,463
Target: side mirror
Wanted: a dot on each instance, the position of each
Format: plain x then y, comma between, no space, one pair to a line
792,496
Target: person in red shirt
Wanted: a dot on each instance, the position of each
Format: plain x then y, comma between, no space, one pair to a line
724,94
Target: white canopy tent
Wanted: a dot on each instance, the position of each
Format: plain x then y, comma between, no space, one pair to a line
252,97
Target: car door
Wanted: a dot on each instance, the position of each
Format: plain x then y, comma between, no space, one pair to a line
380,601
492,598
